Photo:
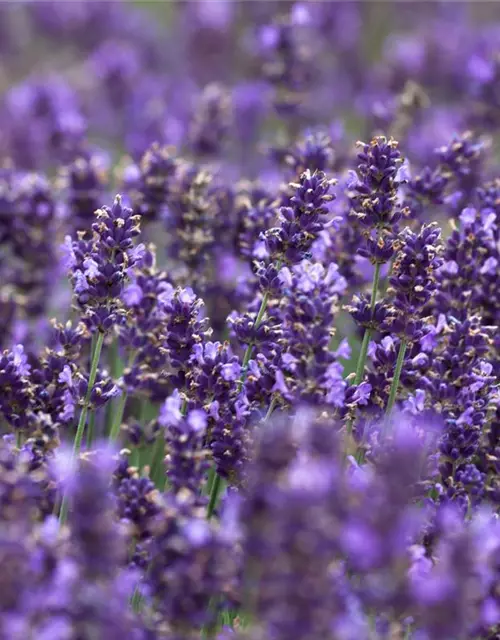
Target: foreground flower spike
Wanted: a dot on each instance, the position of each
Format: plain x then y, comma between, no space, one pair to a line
413,283
311,372
471,262
460,161
376,208
95,578
301,221
98,270
99,267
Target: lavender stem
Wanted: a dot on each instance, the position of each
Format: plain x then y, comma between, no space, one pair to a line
397,374
83,415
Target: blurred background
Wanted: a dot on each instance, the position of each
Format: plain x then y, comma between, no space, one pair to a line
120,75
242,91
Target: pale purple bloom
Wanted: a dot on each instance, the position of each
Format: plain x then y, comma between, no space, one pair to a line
468,216
66,376
91,268
20,360
68,260
132,295
362,393
170,412
280,384
197,420
490,267
231,371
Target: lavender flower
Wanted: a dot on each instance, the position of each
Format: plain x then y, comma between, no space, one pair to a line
375,197
99,267
302,221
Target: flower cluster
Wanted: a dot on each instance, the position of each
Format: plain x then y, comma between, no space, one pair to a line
258,396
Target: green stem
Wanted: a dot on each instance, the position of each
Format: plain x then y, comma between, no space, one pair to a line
360,368
249,349
120,409
210,480
90,430
135,457
77,445
363,352
217,485
271,408
136,601
157,473
19,438
397,374
118,417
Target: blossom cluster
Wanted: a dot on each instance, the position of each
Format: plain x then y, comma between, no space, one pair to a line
249,364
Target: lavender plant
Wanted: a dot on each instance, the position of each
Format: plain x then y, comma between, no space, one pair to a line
258,396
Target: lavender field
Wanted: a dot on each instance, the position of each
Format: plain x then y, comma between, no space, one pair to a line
249,310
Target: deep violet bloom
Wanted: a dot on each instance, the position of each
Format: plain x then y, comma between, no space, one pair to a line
301,222
413,280
100,266
375,204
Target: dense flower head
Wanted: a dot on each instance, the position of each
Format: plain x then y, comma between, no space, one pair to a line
471,260
301,221
315,151
310,294
99,267
256,209
377,183
413,282
376,206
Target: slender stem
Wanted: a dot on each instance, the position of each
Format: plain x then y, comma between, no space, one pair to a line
83,415
90,430
157,472
249,349
397,374
135,458
217,485
19,438
91,425
92,376
118,417
135,602
120,408
360,368
210,480
272,407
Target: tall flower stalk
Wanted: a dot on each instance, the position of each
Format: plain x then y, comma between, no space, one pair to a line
98,269
300,224
376,208
77,444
